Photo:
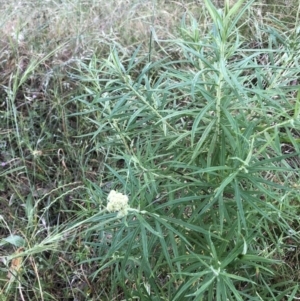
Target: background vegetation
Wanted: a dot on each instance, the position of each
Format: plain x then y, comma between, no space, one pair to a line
191,109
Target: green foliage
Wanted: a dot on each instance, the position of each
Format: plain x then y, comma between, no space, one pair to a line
206,148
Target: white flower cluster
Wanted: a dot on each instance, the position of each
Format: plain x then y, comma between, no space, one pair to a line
117,202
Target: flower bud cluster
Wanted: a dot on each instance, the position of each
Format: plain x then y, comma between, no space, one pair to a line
117,202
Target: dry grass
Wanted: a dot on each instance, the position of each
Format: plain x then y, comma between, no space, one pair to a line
74,30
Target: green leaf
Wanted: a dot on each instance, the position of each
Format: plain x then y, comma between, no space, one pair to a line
15,240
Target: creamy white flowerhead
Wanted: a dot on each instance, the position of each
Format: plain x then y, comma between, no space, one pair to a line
117,202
